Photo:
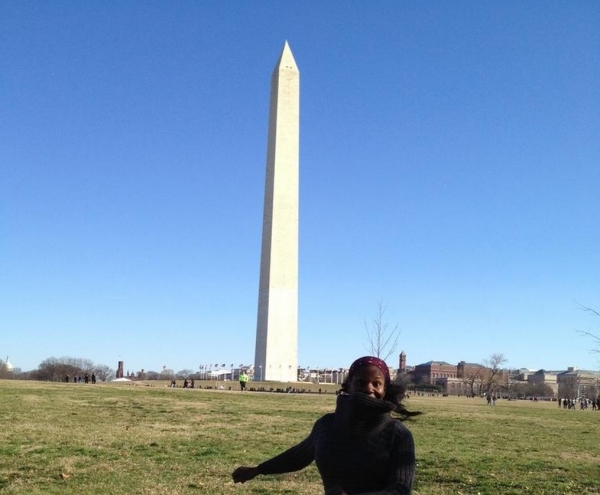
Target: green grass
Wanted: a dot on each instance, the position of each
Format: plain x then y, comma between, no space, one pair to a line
107,439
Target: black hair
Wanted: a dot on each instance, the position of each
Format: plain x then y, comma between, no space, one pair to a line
394,393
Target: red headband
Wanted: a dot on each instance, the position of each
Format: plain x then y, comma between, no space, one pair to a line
370,360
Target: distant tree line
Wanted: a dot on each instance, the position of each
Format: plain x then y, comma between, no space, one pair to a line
526,389
57,369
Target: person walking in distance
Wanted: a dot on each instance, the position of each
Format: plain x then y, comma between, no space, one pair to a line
243,380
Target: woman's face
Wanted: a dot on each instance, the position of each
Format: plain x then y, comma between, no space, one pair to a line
368,380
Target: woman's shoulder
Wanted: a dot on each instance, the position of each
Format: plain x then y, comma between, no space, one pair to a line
324,421
326,418
398,427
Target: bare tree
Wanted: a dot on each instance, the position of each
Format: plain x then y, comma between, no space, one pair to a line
593,336
381,339
185,373
167,374
494,372
56,369
531,389
473,378
152,375
104,373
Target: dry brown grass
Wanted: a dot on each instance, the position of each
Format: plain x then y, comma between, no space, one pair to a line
105,439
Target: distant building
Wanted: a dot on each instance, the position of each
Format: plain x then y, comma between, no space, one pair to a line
575,383
120,369
522,374
462,379
402,363
543,377
431,371
6,369
466,370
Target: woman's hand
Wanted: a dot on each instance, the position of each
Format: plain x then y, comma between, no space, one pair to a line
244,473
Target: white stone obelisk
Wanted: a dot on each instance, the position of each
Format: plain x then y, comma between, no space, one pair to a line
276,355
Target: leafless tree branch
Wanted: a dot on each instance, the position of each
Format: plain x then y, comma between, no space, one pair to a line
382,340
587,333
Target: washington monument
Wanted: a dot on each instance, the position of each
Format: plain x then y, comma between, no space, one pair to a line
276,355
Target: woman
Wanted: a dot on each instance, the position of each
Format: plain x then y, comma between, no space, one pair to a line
360,448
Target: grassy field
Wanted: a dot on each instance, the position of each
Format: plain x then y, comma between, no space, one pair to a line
110,439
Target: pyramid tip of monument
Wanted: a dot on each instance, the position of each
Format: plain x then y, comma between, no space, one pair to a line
287,57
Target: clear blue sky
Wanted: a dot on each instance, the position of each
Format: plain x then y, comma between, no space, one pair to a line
449,167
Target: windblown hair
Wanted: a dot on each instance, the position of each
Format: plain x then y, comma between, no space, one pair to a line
394,393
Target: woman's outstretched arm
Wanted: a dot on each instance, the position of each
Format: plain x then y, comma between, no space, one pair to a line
293,459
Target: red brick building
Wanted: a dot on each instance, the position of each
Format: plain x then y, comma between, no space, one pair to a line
462,379
432,371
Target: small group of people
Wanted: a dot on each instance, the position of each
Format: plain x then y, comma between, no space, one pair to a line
491,399
82,379
187,383
583,403
362,447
